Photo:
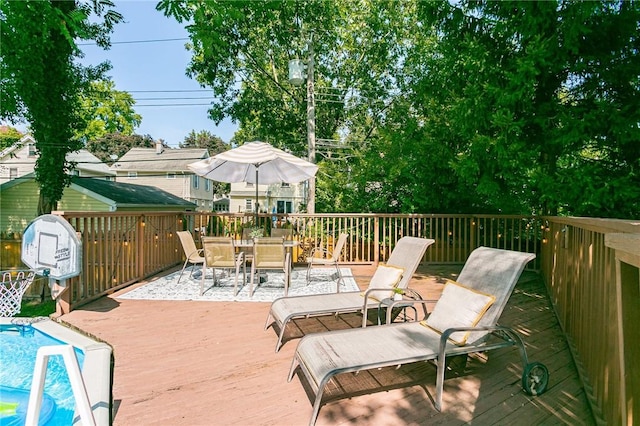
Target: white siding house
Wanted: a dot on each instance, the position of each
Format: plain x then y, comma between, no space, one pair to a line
20,159
166,168
279,198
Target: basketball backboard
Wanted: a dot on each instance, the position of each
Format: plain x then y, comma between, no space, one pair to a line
50,242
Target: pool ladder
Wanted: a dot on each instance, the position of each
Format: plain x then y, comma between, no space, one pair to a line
75,377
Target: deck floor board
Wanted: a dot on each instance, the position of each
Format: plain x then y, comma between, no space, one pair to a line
203,363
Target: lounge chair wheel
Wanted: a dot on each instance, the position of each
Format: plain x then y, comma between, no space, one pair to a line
535,378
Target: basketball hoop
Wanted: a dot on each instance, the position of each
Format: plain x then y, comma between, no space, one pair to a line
12,288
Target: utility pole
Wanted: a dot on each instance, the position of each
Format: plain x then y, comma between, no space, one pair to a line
296,78
311,128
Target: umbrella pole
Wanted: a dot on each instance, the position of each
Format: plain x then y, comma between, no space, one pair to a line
256,215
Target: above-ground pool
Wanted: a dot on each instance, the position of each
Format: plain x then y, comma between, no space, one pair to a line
19,343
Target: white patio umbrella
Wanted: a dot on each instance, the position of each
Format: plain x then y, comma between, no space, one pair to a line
255,162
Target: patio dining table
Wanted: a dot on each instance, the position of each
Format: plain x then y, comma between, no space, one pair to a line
288,245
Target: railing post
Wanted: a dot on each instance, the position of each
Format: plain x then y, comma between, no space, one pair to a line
475,226
376,240
140,247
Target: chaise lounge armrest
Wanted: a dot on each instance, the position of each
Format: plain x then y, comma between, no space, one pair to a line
368,300
412,298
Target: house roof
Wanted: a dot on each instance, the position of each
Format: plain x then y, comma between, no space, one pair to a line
87,161
84,159
127,194
117,194
222,202
23,140
169,160
17,181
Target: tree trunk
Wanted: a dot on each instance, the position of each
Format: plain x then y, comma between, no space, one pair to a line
45,206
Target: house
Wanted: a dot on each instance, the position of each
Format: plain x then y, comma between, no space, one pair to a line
278,198
20,160
221,205
166,168
19,200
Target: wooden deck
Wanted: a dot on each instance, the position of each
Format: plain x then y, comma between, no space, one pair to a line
212,363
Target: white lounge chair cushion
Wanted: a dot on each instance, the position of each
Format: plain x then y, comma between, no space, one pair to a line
386,276
458,306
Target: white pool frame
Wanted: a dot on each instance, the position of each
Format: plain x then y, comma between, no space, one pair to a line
96,368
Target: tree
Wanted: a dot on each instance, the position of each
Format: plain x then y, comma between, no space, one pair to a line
254,41
356,47
112,146
41,83
204,139
214,145
541,100
469,106
8,136
106,110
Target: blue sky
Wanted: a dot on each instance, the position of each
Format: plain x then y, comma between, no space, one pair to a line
156,67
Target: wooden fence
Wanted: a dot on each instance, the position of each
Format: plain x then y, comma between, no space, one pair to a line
122,248
590,267
372,236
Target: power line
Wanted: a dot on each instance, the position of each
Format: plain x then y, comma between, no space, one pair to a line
168,105
167,91
174,99
98,162
160,40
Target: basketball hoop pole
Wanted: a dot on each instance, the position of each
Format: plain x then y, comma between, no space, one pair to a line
61,294
49,241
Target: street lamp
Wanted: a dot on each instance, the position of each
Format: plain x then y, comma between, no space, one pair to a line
296,78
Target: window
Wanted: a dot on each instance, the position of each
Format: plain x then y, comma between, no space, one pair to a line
195,179
75,172
13,173
285,185
171,175
248,204
132,175
284,207
207,185
32,150
249,185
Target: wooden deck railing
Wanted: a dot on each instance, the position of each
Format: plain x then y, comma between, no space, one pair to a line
592,278
594,287
122,248
372,236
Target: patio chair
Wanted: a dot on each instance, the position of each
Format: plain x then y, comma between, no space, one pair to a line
192,253
286,233
270,253
320,256
463,321
407,255
247,236
219,252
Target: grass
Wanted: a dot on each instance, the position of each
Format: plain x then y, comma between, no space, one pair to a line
36,308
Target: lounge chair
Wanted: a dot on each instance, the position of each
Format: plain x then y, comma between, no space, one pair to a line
406,255
471,308
323,257
219,252
270,253
191,252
